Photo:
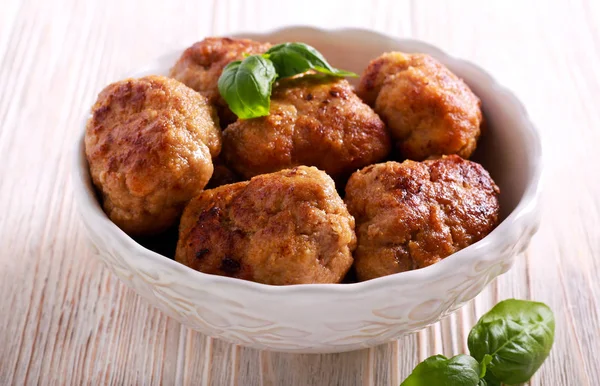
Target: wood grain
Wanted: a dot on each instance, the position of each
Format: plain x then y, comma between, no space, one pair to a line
65,320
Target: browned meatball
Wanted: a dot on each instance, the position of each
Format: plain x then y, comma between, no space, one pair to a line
314,120
149,144
289,227
428,110
200,67
410,215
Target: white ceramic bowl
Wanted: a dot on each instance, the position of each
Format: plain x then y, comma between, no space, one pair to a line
340,317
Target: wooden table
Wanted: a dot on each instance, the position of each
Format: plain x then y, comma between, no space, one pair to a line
64,319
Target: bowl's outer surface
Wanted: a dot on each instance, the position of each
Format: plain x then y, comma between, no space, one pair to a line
334,317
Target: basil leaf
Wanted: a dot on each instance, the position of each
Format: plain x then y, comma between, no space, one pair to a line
296,58
490,380
246,86
461,370
518,335
484,362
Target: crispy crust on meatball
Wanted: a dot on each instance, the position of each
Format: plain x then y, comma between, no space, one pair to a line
413,214
314,120
428,110
149,143
289,227
201,65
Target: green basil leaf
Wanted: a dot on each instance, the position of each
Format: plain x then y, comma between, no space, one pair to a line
518,335
246,86
461,370
484,362
296,58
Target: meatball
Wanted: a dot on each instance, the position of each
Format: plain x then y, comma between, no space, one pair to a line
149,144
413,214
200,67
428,110
314,120
289,227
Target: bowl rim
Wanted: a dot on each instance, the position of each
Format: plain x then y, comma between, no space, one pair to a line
525,210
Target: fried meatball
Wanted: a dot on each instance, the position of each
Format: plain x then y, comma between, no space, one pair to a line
289,227
428,110
200,67
149,144
314,120
413,214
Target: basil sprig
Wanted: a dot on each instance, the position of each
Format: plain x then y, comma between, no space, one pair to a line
439,370
507,345
246,85
297,58
517,335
